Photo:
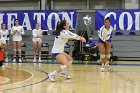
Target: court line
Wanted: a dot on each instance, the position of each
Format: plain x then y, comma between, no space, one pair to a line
127,65
23,80
7,79
85,64
127,79
31,83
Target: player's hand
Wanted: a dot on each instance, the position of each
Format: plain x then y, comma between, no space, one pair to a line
82,39
14,32
19,33
40,36
105,35
108,43
94,47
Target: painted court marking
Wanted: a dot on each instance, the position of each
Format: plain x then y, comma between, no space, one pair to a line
32,75
3,79
28,79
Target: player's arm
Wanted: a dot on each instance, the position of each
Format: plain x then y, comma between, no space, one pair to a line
68,34
22,31
36,35
13,32
3,43
101,33
40,34
7,35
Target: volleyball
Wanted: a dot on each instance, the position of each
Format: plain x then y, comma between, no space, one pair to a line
87,20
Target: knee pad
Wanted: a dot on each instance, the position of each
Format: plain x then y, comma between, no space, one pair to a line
63,67
108,55
107,62
6,52
102,55
70,62
14,49
19,49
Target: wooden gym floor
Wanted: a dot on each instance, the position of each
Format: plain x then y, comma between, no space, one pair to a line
30,78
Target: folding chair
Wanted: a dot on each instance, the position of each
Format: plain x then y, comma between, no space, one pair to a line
132,33
112,57
119,33
23,51
45,51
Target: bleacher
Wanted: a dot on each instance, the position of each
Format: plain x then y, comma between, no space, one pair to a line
27,38
125,47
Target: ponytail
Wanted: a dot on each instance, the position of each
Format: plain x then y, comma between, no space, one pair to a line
60,26
2,26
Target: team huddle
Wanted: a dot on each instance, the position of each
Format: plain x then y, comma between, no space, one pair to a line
63,35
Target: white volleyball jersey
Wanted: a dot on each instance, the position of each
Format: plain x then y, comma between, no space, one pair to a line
17,37
105,34
36,33
4,34
59,42
2,41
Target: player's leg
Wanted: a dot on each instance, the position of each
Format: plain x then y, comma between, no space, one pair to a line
64,73
2,61
5,48
19,50
35,45
102,55
69,58
107,48
39,51
6,51
14,50
62,59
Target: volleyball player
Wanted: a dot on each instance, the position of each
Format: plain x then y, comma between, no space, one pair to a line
58,49
104,43
37,42
17,31
5,35
2,46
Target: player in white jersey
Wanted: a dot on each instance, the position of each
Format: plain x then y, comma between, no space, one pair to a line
5,35
2,42
37,41
17,31
58,49
104,43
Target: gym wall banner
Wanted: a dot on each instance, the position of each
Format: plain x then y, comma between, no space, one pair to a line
120,19
47,19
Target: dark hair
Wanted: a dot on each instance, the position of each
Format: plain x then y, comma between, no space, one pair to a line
15,21
60,26
1,25
108,18
37,23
